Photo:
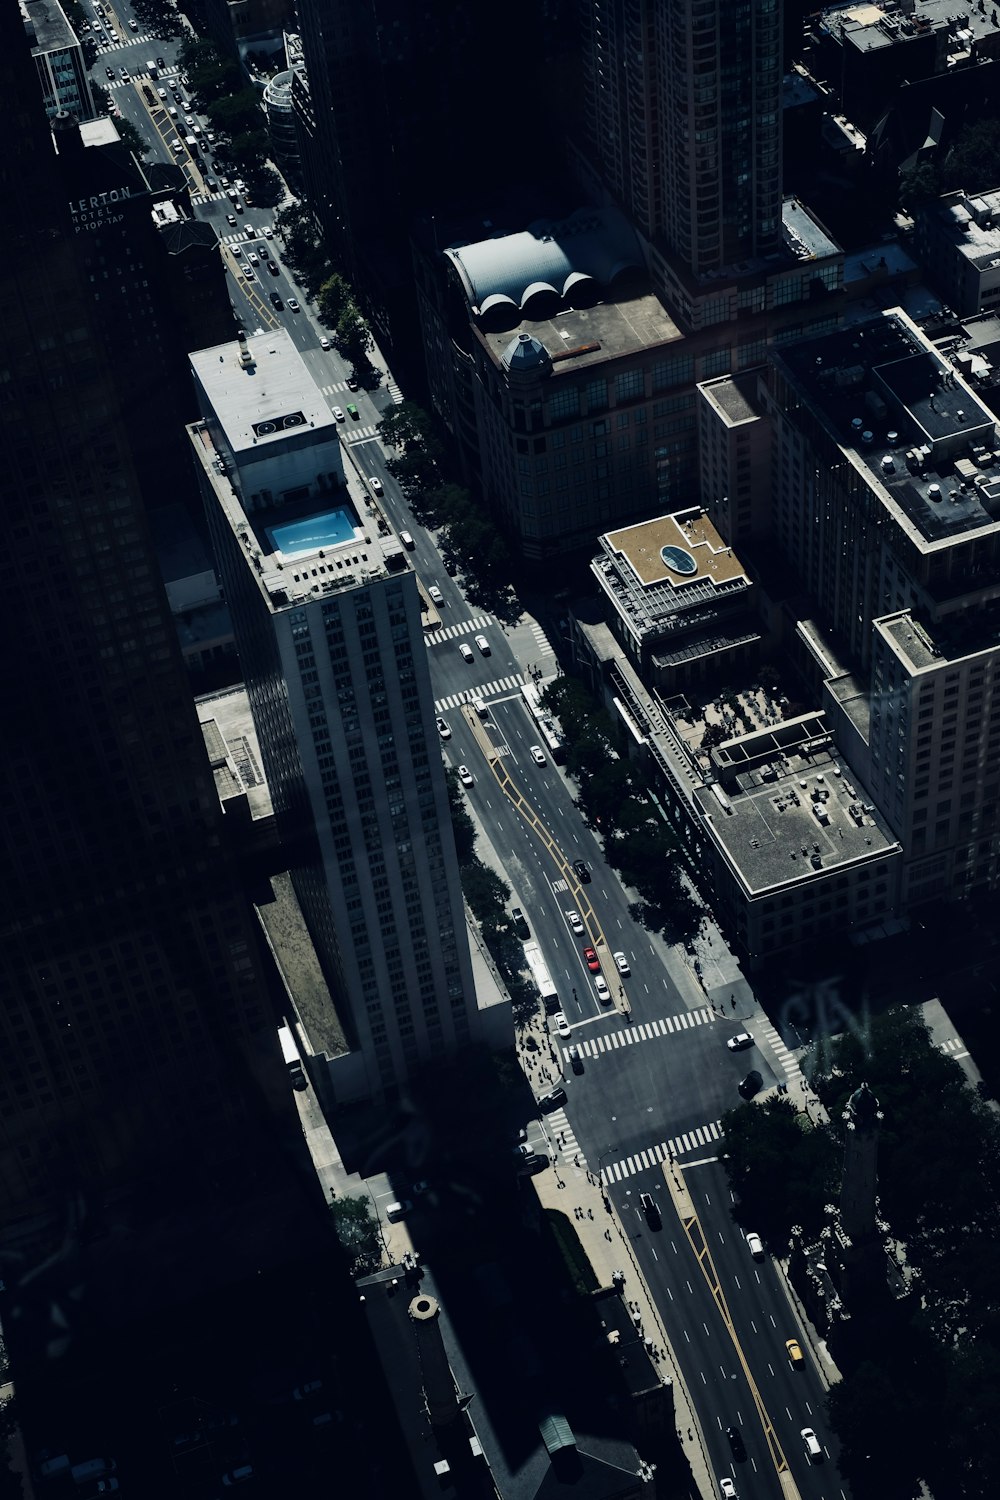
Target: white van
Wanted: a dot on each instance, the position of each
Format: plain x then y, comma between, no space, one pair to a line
396,1211
151,70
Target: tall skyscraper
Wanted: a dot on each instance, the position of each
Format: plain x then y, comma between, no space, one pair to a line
682,113
327,621
129,980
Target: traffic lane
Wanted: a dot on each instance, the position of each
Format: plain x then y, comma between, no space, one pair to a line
762,1319
701,1344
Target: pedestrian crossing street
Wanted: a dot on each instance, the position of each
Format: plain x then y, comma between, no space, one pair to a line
677,1146
481,690
467,627
563,1139
609,1041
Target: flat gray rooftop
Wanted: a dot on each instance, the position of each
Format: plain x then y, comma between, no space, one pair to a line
52,30
615,328
791,814
871,27
925,438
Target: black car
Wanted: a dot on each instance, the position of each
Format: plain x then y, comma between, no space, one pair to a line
450,566
534,1162
736,1445
648,1205
352,383
752,1084
110,72
276,301
580,866
160,63
519,922
552,1100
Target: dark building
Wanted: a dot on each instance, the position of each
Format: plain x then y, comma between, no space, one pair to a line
405,110
683,125
137,1044
157,288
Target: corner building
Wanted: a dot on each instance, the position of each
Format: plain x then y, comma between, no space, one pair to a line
327,620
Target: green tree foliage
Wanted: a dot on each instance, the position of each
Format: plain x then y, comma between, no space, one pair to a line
358,1232
212,77
782,1171
131,137
303,245
864,1408
971,162
351,337
331,299
461,822
918,185
486,893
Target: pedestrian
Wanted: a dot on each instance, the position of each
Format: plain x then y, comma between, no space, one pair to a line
590,1213
733,999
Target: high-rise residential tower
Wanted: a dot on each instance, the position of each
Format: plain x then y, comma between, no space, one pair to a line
327,620
129,979
682,114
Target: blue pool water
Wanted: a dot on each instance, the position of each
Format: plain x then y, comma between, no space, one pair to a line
327,530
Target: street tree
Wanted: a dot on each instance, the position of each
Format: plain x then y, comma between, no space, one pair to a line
331,299
352,338
358,1232
781,1169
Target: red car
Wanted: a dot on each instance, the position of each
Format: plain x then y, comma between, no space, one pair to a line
593,962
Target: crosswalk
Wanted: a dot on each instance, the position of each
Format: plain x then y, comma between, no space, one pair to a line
955,1048
678,1146
563,1139
115,44
466,627
610,1041
481,690
785,1056
541,640
394,391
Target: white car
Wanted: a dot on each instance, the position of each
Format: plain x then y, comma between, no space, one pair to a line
324,342
338,414
483,644
538,755
443,728
601,986
562,1025
575,921
465,651
728,1488
376,484
267,232
814,1452
755,1245
254,258
465,776
161,93
133,25
436,595
621,964
249,230
739,1041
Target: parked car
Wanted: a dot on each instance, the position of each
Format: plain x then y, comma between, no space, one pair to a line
375,483
755,1245
324,342
520,924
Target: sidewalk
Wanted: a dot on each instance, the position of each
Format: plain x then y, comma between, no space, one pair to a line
571,1188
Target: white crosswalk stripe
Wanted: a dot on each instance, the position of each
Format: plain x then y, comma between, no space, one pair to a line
954,1048
562,1134
481,690
334,388
678,1146
449,632
394,391
541,640
354,434
644,1032
784,1055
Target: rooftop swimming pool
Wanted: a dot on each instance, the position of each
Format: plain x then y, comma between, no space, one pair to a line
326,530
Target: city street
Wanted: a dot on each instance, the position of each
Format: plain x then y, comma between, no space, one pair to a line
654,1075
